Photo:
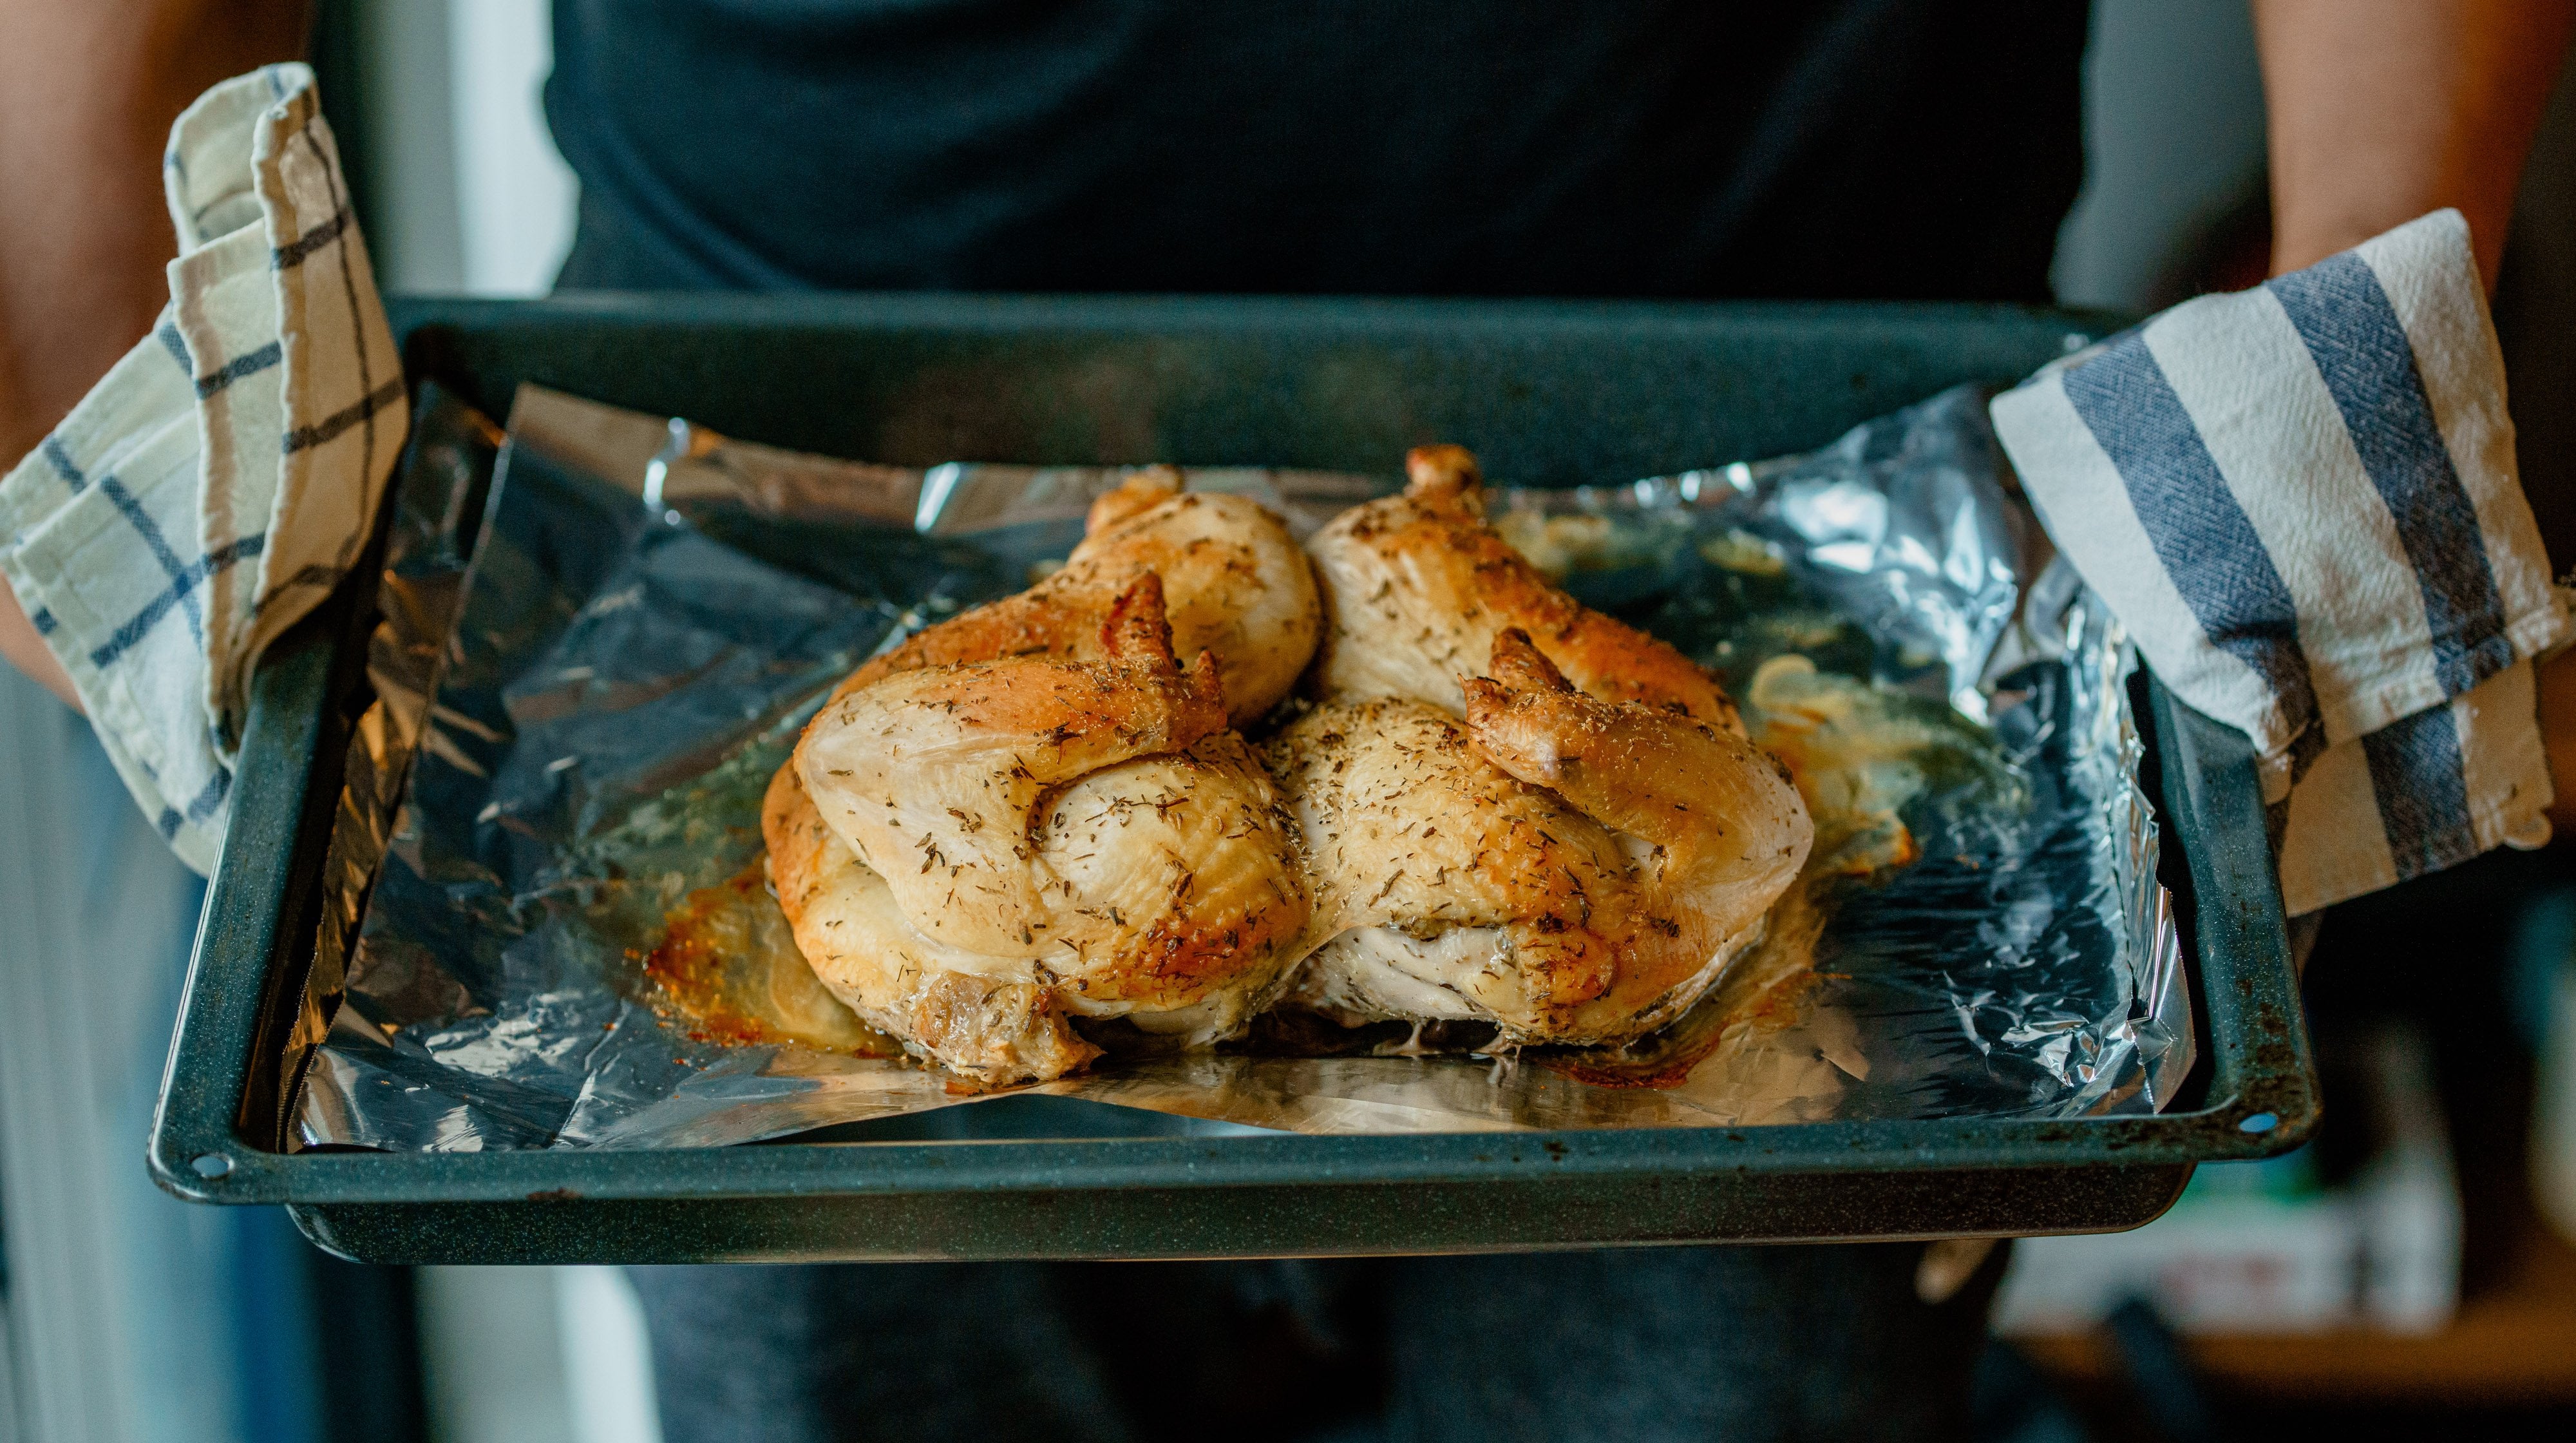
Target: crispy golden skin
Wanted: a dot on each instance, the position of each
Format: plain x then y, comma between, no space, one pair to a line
1233,579
1417,587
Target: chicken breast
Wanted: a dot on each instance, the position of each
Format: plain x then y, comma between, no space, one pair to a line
1233,579
970,854
1417,587
1569,869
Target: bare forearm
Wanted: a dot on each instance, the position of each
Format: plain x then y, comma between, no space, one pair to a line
88,89
2382,110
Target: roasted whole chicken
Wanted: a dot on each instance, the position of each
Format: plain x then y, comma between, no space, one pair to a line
1076,830
1517,810
1569,869
1037,828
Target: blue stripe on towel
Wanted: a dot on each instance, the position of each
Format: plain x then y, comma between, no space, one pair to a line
183,586
2360,347
2201,535
2417,778
181,591
60,458
240,366
210,798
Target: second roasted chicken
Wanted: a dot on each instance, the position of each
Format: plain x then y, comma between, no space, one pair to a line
1568,869
1516,809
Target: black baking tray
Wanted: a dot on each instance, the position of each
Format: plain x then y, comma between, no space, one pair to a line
1547,394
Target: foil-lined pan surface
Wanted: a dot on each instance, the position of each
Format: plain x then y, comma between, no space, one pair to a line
602,630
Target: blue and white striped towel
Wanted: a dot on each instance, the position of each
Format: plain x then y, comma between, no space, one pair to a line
218,482
2302,502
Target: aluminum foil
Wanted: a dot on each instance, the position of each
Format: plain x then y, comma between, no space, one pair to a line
565,943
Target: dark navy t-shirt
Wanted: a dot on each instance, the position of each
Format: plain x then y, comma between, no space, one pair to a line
1844,148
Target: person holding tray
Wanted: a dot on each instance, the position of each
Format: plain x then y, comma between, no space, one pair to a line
1860,149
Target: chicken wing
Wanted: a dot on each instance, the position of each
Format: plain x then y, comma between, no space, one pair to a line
1418,586
1569,869
972,853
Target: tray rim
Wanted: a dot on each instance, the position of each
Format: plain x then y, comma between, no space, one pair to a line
2246,1003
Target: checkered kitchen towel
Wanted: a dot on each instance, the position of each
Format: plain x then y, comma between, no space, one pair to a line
219,481
2301,500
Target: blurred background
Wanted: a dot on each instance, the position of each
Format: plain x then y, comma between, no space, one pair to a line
2409,1271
